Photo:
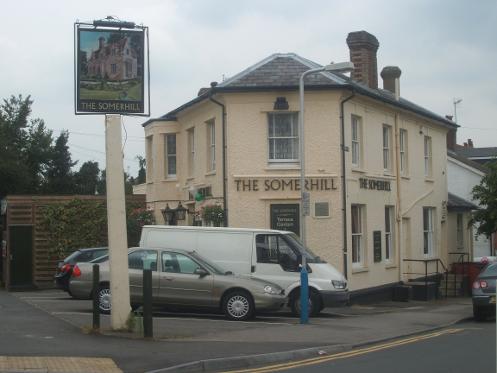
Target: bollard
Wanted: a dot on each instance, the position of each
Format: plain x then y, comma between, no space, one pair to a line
147,304
96,311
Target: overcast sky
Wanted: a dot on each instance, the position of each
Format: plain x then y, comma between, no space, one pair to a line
446,49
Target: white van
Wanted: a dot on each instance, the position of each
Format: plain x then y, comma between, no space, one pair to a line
263,253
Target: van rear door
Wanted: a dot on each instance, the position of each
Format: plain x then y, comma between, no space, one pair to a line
275,260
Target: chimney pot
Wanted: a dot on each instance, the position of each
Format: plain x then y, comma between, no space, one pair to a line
363,47
470,143
390,76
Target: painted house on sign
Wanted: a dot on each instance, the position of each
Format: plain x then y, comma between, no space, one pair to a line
376,199
115,60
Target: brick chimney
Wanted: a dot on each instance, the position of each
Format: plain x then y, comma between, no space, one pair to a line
452,139
363,47
470,143
390,76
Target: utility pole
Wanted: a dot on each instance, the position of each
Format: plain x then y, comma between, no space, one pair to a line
456,102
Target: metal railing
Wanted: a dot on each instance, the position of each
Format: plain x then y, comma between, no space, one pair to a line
464,265
439,264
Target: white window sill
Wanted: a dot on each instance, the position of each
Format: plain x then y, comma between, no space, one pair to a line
429,179
358,170
405,177
210,173
282,166
388,174
359,269
169,179
390,265
321,217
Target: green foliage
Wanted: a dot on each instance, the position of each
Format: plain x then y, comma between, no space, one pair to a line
213,214
486,195
86,179
59,177
83,223
75,224
137,218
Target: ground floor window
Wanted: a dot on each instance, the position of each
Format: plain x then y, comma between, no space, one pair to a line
389,239
428,230
357,217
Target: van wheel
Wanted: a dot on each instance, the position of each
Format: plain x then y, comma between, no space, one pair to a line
238,305
104,299
315,304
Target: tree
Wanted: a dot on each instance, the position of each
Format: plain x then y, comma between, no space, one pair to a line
486,195
142,175
87,178
60,178
25,147
102,184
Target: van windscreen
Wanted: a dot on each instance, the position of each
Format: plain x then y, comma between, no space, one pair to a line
294,240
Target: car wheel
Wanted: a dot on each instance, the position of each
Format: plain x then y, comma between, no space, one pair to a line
479,313
104,299
238,305
315,304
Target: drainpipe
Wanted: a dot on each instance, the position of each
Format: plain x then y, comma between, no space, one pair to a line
398,217
344,184
225,179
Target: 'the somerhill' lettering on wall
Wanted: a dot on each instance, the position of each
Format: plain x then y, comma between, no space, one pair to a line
255,185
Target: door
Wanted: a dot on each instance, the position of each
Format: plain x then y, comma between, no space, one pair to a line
137,261
276,260
21,255
179,284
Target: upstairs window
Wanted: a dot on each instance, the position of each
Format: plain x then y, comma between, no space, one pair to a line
356,141
211,146
387,148
428,156
389,239
170,158
283,137
191,152
403,151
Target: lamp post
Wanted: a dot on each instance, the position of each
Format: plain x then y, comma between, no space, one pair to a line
456,102
304,195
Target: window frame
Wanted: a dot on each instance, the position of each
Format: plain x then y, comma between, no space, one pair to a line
294,135
389,233
168,155
356,143
428,231
358,253
403,148
428,156
191,151
211,145
387,147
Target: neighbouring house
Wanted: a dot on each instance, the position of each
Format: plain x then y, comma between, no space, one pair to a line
463,174
478,155
375,164
114,61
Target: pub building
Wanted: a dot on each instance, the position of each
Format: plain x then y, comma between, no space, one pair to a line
377,201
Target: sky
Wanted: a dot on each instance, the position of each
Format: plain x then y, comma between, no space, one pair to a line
446,49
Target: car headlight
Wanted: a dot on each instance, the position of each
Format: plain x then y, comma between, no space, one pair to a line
339,284
268,289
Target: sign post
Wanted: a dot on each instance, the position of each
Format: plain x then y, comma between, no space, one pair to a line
110,71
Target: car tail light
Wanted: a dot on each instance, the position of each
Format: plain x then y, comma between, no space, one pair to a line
76,272
480,284
65,268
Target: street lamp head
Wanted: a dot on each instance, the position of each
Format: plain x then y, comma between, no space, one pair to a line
341,67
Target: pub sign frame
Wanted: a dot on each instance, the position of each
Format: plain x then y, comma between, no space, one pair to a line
111,69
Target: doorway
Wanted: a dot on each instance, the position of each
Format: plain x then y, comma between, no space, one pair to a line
21,256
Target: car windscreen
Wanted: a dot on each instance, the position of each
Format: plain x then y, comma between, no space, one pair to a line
490,271
310,257
207,264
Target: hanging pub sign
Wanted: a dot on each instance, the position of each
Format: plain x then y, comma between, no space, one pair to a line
110,68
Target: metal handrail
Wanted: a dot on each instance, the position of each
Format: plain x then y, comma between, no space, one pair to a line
464,265
426,261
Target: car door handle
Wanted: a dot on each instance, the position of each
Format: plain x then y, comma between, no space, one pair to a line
168,278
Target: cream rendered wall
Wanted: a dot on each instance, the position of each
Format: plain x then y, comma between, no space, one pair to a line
162,190
247,117
415,192
452,245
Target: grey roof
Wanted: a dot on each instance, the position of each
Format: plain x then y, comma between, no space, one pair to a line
477,152
466,161
456,203
281,71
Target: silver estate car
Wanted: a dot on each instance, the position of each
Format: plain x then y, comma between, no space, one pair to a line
181,278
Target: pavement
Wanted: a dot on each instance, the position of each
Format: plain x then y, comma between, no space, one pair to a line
47,331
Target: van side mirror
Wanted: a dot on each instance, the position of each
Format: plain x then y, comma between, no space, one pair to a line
201,272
